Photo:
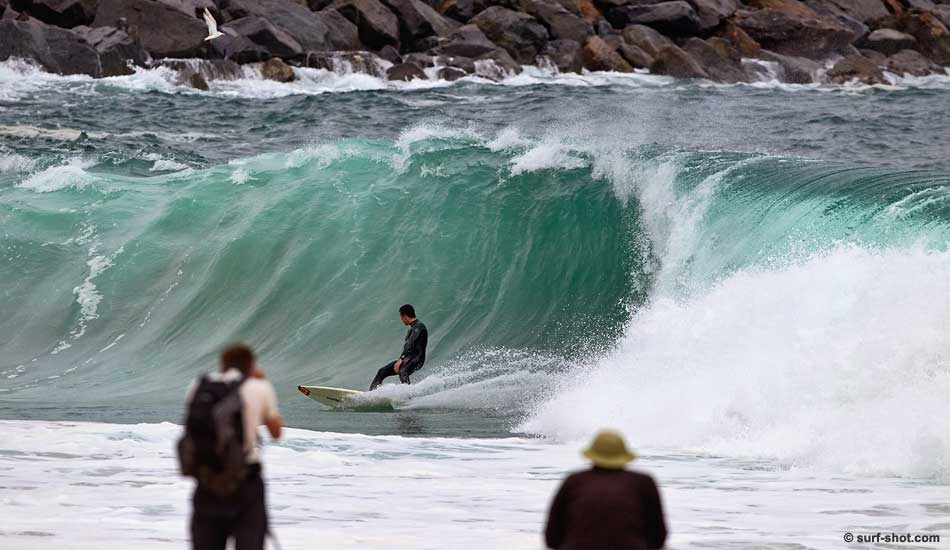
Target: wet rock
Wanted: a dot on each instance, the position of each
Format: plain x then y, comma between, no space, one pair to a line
599,56
198,82
261,32
459,10
791,8
362,62
794,70
451,74
326,30
560,22
815,38
116,49
645,38
933,38
390,54
378,26
856,67
208,69
56,50
236,47
276,69
877,57
62,13
910,62
888,41
636,57
465,64
418,20
673,61
162,28
405,72
677,18
718,62
517,33
566,55
865,11
467,41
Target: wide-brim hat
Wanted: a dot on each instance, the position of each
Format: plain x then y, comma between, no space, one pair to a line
608,450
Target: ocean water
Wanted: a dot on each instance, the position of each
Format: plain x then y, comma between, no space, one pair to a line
752,282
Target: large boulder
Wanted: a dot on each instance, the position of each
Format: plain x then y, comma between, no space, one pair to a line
888,41
162,28
677,18
566,55
636,57
236,47
62,13
275,69
719,60
194,71
791,69
712,13
56,50
910,62
792,8
405,72
740,40
673,61
865,11
560,21
517,33
263,33
856,68
323,31
419,20
470,42
933,38
378,26
116,49
815,38
645,38
599,56
361,62
943,14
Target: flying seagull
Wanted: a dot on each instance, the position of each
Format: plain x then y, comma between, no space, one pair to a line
212,26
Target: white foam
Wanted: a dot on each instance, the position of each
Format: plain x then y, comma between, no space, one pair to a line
162,164
12,163
71,174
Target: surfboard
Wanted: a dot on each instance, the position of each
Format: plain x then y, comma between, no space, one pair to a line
344,399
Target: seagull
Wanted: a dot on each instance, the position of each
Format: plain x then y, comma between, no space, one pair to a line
212,26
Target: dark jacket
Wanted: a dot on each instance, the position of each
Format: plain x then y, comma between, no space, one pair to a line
606,510
414,347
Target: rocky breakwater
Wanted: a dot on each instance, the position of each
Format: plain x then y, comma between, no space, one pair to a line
798,41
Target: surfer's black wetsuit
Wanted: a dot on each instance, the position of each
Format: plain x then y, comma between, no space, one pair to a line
413,356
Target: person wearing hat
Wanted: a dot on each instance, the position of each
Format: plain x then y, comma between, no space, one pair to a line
607,506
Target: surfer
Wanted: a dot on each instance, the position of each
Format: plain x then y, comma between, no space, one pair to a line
413,350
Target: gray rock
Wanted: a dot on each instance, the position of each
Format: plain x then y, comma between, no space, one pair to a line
324,31
208,69
162,28
62,13
717,62
467,41
390,54
451,74
647,39
564,54
877,57
275,69
637,58
815,38
712,12
56,50
933,37
378,26
418,20
794,70
943,14
673,61
517,33
198,82
856,67
423,60
599,56
116,49
910,62
264,34
888,41
465,64
561,23
459,10
677,18
922,5
236,47
405,72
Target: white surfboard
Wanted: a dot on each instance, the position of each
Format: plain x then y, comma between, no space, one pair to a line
341,398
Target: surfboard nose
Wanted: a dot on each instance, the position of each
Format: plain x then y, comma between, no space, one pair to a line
303,390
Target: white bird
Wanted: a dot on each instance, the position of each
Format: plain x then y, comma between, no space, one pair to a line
212,26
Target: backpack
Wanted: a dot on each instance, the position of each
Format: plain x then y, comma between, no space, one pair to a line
212,449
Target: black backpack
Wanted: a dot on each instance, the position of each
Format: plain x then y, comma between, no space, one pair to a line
212,449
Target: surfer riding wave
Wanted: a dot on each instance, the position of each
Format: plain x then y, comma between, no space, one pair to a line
413,355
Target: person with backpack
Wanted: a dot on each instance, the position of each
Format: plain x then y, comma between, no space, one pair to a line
220,450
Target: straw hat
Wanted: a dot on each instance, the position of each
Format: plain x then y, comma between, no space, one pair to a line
609,451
